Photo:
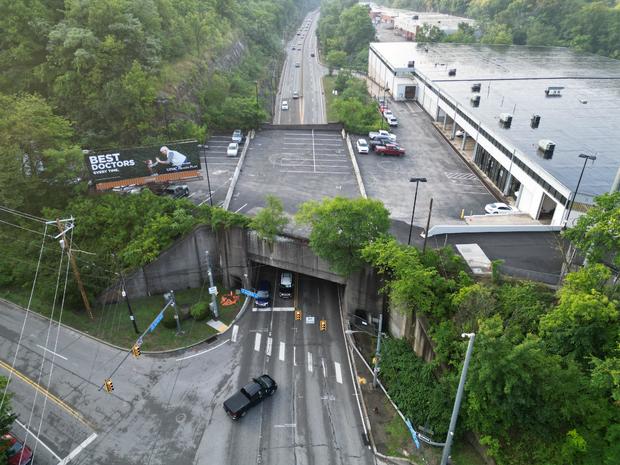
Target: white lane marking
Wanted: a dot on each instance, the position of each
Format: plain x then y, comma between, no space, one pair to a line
268,348
34,436
241,208
78,449
338,372
281,354
310,362
234,333
286,425
324,367
294,358
52,352
257,342
203,352
313,151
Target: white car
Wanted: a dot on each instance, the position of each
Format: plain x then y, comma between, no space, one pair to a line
232,150
285,104
362,146
237,136
388,114
499,208
295,95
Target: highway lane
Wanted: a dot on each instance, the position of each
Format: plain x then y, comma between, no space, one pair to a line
168,408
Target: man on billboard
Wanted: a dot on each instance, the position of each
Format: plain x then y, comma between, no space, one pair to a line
173,158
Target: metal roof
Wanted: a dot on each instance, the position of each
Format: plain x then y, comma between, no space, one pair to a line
585,118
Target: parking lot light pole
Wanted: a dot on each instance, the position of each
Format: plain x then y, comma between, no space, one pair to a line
585,161
204,149
415,198
457,401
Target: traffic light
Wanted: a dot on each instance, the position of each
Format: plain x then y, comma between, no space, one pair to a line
108,386
323,325
297,315
135,350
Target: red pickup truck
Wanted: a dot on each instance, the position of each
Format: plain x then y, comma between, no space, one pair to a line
389,149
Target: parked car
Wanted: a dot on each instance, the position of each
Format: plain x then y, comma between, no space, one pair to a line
382,134
390,149
286,285
362,146
263,292
251,394
232,150
237,136
384,109
285,104
378,142
388,114
177,190
312,54
16,452
295,95
499,208
391,120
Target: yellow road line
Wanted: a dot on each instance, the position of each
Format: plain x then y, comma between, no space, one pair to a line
46,393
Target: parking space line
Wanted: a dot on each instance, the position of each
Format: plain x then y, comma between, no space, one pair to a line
235,331
313,154
30,433
257,342
310,369
268,348
241,208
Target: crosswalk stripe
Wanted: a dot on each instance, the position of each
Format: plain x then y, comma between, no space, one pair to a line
324,367
281,355
257,342
268,348
338,372
235,331
310,369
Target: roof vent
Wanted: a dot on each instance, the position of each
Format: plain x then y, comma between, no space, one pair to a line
411,64
554,91
475,87
535,121
546,148
452,72
505,119
475,100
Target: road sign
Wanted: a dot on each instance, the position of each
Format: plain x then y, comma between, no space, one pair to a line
249,293
309,320
156,321
213,290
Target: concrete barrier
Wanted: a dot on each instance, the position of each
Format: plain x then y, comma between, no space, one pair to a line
356,168
233,183
307,127
504,228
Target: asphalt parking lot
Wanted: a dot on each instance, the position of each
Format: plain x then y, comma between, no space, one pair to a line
451,184
221,169
294,165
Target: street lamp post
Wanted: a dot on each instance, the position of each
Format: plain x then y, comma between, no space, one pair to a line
385,89
585,161
375,370
457,402
204,149
256,84
415,198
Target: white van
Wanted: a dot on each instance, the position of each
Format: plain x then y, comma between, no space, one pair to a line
285,290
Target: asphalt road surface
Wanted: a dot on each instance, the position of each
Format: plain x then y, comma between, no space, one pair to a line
168,408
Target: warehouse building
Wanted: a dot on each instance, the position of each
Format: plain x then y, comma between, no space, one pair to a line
538,122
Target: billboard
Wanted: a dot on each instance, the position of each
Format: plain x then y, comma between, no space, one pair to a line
141,165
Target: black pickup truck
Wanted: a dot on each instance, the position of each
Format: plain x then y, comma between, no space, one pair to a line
250,395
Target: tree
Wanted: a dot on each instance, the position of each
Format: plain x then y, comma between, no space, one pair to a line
342,227
271,220
335,60
6,413
430,33
497,34
597,233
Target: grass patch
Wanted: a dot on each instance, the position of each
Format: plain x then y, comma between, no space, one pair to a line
111,322
397,436
328,86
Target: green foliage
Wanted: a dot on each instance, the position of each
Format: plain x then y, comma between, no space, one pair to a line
169,320
353,106
496,272
6,412
422,398
342,227
597,233
335,59
271,220
430,33
200,310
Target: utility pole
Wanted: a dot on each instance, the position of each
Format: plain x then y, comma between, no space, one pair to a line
428,223
169,296
375,371
457,402
131,315
74,268
216,314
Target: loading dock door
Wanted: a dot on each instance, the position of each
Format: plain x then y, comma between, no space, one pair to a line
409,92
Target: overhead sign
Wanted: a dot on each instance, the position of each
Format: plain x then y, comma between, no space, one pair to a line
249,293
213,290
141,165
309,320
